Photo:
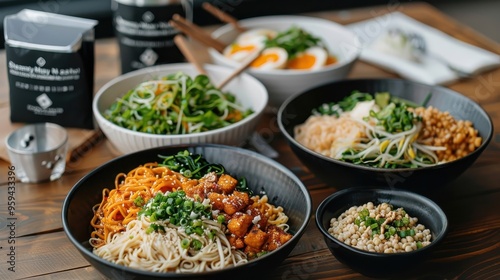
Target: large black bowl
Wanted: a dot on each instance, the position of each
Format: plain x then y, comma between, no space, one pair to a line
398,265
340,174
263,174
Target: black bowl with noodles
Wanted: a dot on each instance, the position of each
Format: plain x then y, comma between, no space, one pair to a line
378,264
282,187
342,174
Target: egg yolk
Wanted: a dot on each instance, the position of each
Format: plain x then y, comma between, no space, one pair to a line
331,60
265,58
303,61
238,48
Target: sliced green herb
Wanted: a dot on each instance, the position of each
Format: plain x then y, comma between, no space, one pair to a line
139,201
177,209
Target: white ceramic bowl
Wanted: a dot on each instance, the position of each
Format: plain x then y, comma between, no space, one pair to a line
249,93
283,83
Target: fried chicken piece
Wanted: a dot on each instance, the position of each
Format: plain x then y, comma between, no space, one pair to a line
236,202
216,200
236,242
277,237
256,238
202,187
230,204
190,187
226,184
259,219
239,224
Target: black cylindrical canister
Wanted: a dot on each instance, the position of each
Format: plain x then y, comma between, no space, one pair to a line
144,34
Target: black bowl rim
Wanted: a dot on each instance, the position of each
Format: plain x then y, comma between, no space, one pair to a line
291,139
393,192
172,275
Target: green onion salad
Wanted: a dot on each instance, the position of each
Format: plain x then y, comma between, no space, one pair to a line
378,130
176,104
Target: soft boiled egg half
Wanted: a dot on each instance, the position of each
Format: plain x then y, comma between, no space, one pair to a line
248,43
260,33
271,58
252,42
239,51
310,59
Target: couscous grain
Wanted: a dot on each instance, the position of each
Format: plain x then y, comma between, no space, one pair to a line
380,228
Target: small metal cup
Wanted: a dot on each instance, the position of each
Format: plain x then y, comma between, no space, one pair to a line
38,152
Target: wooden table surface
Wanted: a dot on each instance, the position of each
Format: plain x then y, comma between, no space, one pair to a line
470,251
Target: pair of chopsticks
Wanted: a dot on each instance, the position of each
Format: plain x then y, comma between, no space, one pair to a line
222,16
182,44
197,33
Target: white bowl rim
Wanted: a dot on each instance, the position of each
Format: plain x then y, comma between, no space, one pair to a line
170,67
292,18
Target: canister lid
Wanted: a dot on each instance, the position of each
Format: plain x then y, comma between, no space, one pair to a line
47,31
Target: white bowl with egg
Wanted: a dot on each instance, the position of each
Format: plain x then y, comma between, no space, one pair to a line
281,82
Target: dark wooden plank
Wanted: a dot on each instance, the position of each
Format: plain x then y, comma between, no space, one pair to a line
41,255
475,255
38,207
86,273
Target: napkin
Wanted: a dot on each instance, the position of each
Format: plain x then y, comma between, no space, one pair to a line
442,49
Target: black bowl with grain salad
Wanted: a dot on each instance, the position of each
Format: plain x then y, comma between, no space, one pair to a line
385,132
381,232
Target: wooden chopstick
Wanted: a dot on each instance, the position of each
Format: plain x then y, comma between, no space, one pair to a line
180,41
240,69
196,32
94,139
223,16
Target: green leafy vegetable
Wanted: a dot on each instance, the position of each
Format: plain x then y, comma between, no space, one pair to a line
393,129
176,104
294,40
191,165
344,105
243,186
382,99
395,117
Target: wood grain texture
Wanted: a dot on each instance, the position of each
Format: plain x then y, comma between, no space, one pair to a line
471,249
